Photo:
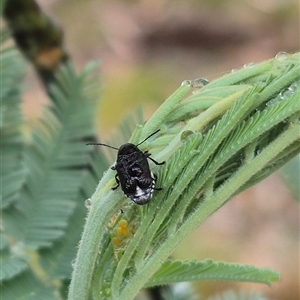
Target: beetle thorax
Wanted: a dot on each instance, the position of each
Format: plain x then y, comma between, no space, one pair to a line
128,149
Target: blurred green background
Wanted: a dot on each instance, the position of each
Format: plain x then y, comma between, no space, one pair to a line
146,49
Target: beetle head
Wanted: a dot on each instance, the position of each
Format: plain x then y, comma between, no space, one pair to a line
128,149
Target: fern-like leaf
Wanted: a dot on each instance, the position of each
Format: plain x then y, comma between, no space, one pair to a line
12,263
57,158
223,147
57,260
178,271
27,286
12,170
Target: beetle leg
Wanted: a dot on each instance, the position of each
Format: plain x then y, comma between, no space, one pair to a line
158,189
118,182
157,163
147,154
155,188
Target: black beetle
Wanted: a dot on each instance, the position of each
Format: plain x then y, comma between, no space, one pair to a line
133,172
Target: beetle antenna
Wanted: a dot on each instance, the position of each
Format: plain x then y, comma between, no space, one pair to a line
99,144
148,137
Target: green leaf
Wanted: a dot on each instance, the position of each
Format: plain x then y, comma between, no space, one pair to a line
192,106
212,154
178,271
12,259
11,149
57,261
57,158
12,262
11,266
27,286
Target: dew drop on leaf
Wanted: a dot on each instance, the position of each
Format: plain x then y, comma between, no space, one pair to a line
249,65
281,95
281,55
198,83
292,87
87,203
73,263
186,83
185,134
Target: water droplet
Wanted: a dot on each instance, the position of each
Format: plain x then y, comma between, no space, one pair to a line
234,70
185,134
73,263
87,203
198,83
272,102
249,65
288,92
281,55
186,83
281,95
292,88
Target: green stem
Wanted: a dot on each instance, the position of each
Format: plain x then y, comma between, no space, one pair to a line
105,257
242,75
94,230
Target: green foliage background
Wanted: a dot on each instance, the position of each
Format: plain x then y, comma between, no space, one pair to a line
46,177
44,180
